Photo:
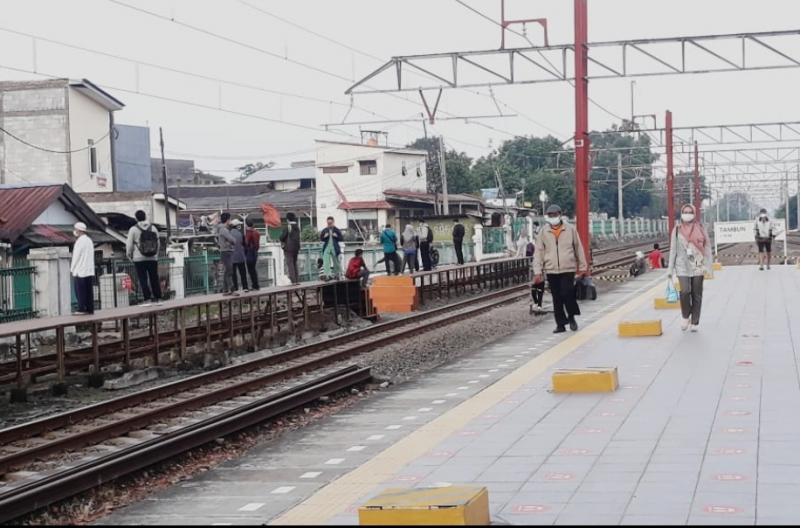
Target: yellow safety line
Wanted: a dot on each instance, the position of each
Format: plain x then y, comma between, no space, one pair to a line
338,495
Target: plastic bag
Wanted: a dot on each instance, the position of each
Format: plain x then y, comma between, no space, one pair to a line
671,294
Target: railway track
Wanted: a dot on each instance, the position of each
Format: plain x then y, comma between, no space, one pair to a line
92,442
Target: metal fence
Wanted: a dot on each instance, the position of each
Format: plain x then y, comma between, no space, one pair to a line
202,273
494,240
17,293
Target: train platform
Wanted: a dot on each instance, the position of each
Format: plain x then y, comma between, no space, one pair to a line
701,430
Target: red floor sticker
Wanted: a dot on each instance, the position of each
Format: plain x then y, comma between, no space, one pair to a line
738,413
467,433
728,451
558,476
592,430
408,478
744,363
607,414
722,509
742,385
530,508
571,452
441,454
734,430
729,477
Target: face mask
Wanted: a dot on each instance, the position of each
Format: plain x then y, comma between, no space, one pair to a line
687,217
763,217
553,220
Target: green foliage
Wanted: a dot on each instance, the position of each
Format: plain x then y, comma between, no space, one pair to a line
309,234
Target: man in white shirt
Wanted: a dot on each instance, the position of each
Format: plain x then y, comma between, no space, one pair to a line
764,233
82,269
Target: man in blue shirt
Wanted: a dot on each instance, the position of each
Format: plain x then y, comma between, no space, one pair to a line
389,241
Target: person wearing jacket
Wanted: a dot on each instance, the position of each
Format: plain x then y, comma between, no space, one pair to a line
146,265
690,259
238,257
558,255
408,241
290,242
458,240
82,269
330,236
425,234
225,241
764,233
390,256
252,243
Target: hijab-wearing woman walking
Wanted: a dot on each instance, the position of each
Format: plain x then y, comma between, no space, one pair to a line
690,259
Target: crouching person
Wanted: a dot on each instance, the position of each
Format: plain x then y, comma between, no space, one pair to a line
357,268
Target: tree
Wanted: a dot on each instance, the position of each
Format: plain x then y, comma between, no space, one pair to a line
781,212
250,168
458,164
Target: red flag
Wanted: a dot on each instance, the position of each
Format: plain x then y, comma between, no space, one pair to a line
272,218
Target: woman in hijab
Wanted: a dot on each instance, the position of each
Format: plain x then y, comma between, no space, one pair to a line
690,259
408,241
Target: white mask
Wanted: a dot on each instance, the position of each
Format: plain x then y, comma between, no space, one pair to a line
553,220
763,217
687,217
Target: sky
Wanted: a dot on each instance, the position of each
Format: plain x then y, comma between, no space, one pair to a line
279,114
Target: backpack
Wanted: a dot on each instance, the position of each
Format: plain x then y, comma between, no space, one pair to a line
148,242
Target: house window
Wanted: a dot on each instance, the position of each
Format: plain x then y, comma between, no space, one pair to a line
419,171
92,157
335,170
368,167
404,169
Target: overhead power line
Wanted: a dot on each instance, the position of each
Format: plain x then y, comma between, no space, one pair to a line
54,151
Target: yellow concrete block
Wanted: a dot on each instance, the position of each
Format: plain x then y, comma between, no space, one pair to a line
592,379
662,304
717,266
709,276
451,505
640,328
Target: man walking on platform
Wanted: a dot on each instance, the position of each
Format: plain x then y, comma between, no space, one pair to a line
82,269
559,255
458,240
142,248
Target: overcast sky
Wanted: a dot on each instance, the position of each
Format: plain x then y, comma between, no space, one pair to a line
219,141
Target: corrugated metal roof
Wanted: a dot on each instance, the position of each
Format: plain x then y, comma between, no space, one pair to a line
375,204
20,206
284,174
416,195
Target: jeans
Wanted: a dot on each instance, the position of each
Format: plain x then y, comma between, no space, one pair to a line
565,304
147,272
84,293
226,257
251,269
392,262
409,259
425,250
691,297
458,244
240,270
291,266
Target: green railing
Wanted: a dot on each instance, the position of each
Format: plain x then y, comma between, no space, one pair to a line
200,273
494,240
109,277
17,293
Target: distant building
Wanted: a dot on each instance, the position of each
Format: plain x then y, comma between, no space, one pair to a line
132,158
119,208
180,172
301,175
63,131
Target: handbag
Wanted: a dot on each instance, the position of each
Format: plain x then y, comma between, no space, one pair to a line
671,293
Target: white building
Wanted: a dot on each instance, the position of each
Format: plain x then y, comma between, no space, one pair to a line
301,175
61,134
352,178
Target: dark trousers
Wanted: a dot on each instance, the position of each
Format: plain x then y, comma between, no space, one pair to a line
458,243
291,266
226,257
147,272
240,270
392,260
409,259
425,250
691,297
84,293
251,269
565,304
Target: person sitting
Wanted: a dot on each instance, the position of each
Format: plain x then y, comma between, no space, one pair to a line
656,258
638,267
357,268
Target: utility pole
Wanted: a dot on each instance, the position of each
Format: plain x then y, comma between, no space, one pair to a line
670,175
728,207
443,166
164,178
798,199
633,118
619,196
582,141
697,200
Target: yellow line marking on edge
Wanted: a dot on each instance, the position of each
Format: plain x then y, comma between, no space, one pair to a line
338,495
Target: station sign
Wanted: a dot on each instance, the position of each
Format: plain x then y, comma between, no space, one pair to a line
744,232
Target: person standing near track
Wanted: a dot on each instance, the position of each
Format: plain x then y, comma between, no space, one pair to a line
290,242
330,236
225,241
425,234
82,269
390,257
559,256
458,240
764,232
238,257
142,247
408,241
690,259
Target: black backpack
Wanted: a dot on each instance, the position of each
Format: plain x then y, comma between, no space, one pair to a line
148,242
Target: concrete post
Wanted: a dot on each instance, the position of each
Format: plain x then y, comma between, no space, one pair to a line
477,239
176,279
276,253
52,282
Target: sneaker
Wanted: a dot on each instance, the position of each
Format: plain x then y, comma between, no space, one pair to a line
227,294
761,268
573,324
234,294
158,303
694,328
80,313
685,325
559,330
768,266
145,304
245,290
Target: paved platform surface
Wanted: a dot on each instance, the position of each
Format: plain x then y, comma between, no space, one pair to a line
702,430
